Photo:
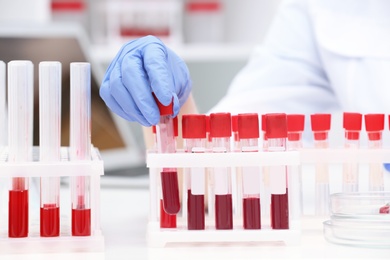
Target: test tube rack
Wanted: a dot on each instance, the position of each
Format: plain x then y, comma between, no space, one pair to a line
65,169
160,237
294,160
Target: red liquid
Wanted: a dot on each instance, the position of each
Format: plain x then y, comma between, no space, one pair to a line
279,211
18,213
166,220
251,208
223,212
170,192
195,211
81,222
385,209
50,220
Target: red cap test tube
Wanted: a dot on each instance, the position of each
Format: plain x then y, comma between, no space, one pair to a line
276,125
248,131
80,145
50,144
352,123
320,126
220,131
166,143
194,137
20,129
375,124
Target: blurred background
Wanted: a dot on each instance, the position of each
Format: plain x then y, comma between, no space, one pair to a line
214,37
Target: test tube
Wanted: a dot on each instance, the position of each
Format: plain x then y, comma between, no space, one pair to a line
220,131
352,123
20,128
194,136
248,131
295,128
276,125
236,140
80,145
166,143
50,144
374,124
320,125
266,194
3,106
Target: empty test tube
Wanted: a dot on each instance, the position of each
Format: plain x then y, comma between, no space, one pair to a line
3,105
352,123
276,125
374,124
80,145
320,125
248,132
50,144
194,137
220,131
166,143
20,108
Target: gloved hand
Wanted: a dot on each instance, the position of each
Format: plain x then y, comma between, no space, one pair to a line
143,66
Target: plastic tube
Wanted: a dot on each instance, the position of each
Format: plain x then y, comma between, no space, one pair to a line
295,128
374,124
3,106
166,143
50,144
194,136
352,123
20,108
220,131
80,145
320,125
248,132
276,125
266,198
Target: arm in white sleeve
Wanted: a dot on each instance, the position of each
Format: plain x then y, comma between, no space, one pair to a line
285,74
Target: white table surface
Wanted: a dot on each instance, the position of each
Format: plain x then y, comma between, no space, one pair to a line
124,217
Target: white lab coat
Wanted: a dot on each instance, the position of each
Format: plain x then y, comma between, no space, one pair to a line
319,56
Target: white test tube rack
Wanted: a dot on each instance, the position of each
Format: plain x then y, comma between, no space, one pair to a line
65,242
159,237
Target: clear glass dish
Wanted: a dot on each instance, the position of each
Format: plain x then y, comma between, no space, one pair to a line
356,204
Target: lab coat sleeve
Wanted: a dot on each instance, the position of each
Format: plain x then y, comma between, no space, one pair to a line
285,73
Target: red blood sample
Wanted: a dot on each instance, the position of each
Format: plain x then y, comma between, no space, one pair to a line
223,211
251,208
279,211
170,190
166,220
81,222
18,213
50,220
195,211
385,209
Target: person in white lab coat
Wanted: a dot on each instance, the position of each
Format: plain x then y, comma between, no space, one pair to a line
318,56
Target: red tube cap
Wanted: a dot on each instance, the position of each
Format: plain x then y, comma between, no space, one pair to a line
234,123
175,126
164,110
320,122
352,121
248,126
263,127
194,126
374,122
276,125
220,125
295,122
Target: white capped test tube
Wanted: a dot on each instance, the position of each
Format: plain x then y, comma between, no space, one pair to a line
50,144
20,129
3,105
220,131
276,125
248,132
374,124
320,125
80,145
352,123
194,137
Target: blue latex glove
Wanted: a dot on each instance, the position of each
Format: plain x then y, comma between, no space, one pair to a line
141,67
